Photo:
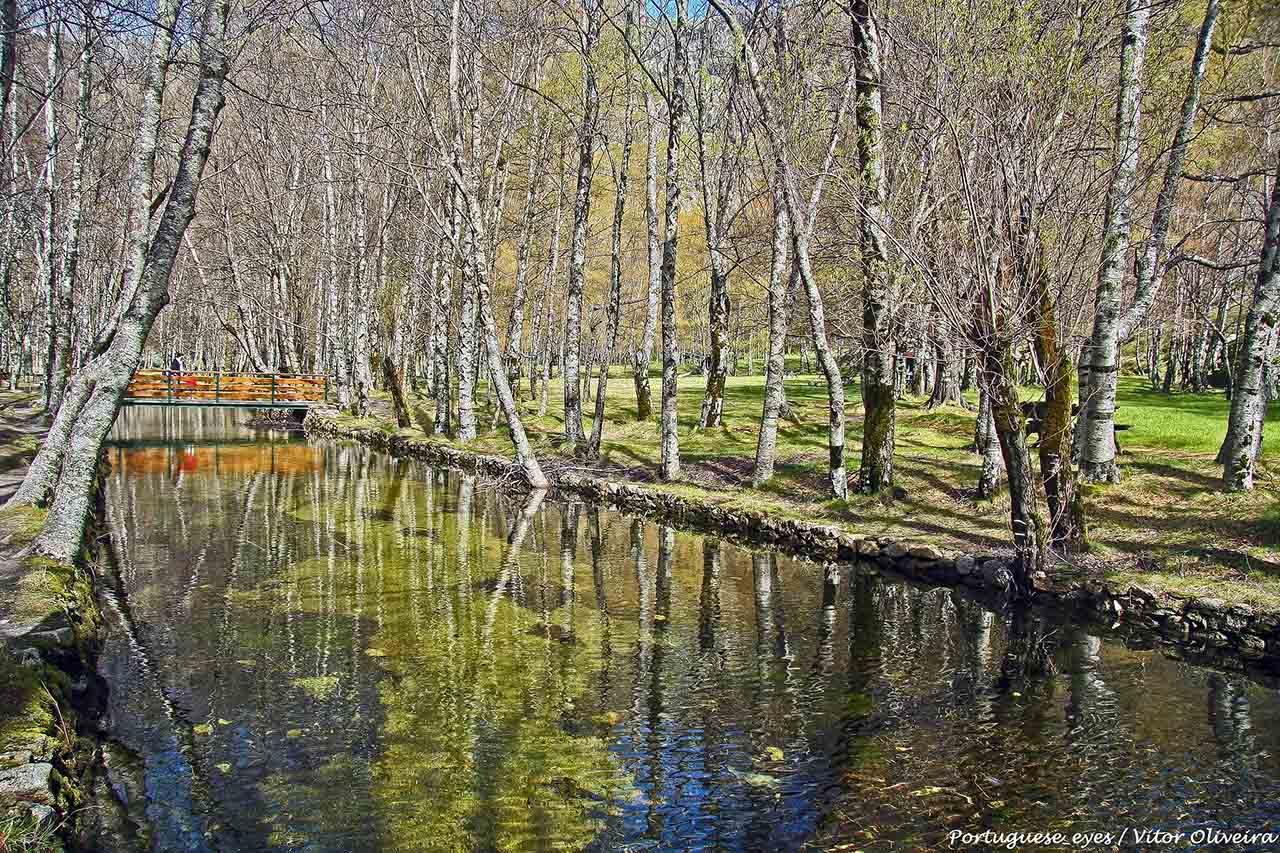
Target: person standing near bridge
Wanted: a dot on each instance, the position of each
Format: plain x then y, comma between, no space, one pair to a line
176,365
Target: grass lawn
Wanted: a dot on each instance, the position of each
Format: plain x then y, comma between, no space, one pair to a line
1166,525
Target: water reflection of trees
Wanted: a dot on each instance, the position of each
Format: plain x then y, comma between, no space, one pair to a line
554,674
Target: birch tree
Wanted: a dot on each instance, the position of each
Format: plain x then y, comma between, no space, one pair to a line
63,472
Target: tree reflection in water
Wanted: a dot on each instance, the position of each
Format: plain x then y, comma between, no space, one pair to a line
368,654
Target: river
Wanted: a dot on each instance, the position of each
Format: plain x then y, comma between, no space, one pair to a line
315,647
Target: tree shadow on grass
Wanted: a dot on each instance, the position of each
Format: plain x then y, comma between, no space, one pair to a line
1200,482
1263,532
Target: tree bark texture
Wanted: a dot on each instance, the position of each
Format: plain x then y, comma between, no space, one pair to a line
1249,397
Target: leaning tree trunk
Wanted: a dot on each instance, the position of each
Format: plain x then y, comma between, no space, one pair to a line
69,467
1111,327
802,225
42,475
644,357
775,364
1249,398
463,174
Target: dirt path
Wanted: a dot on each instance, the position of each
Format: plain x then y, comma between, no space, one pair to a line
22,425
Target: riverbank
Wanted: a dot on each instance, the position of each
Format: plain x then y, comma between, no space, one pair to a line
1196,598
48,625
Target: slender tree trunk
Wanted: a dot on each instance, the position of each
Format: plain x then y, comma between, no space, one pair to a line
614,306
540,364
467,344
515,324
333,284
1097,457
443,422
58,315
802,226
644,357
717,208
775,364
578,242
670,462
1111,327
474,247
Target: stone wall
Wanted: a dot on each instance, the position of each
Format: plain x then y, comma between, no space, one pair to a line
1203,630
49,690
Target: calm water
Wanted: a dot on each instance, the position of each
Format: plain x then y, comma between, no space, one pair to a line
315,647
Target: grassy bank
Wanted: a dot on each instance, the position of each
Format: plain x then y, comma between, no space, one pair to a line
1167,525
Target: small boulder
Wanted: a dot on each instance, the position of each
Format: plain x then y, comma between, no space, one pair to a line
1208,605
1252,647
28,783
965,564
924,552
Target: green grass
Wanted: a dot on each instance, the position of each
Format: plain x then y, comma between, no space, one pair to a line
1167,523
21,832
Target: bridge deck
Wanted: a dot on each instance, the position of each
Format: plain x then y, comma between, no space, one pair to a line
228,390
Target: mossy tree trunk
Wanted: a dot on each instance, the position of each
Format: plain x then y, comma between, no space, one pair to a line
1025,519
879,397
1066,512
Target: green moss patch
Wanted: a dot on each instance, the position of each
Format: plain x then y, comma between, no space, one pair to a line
20,526
26,710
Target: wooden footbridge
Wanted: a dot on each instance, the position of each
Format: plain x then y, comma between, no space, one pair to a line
227,390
